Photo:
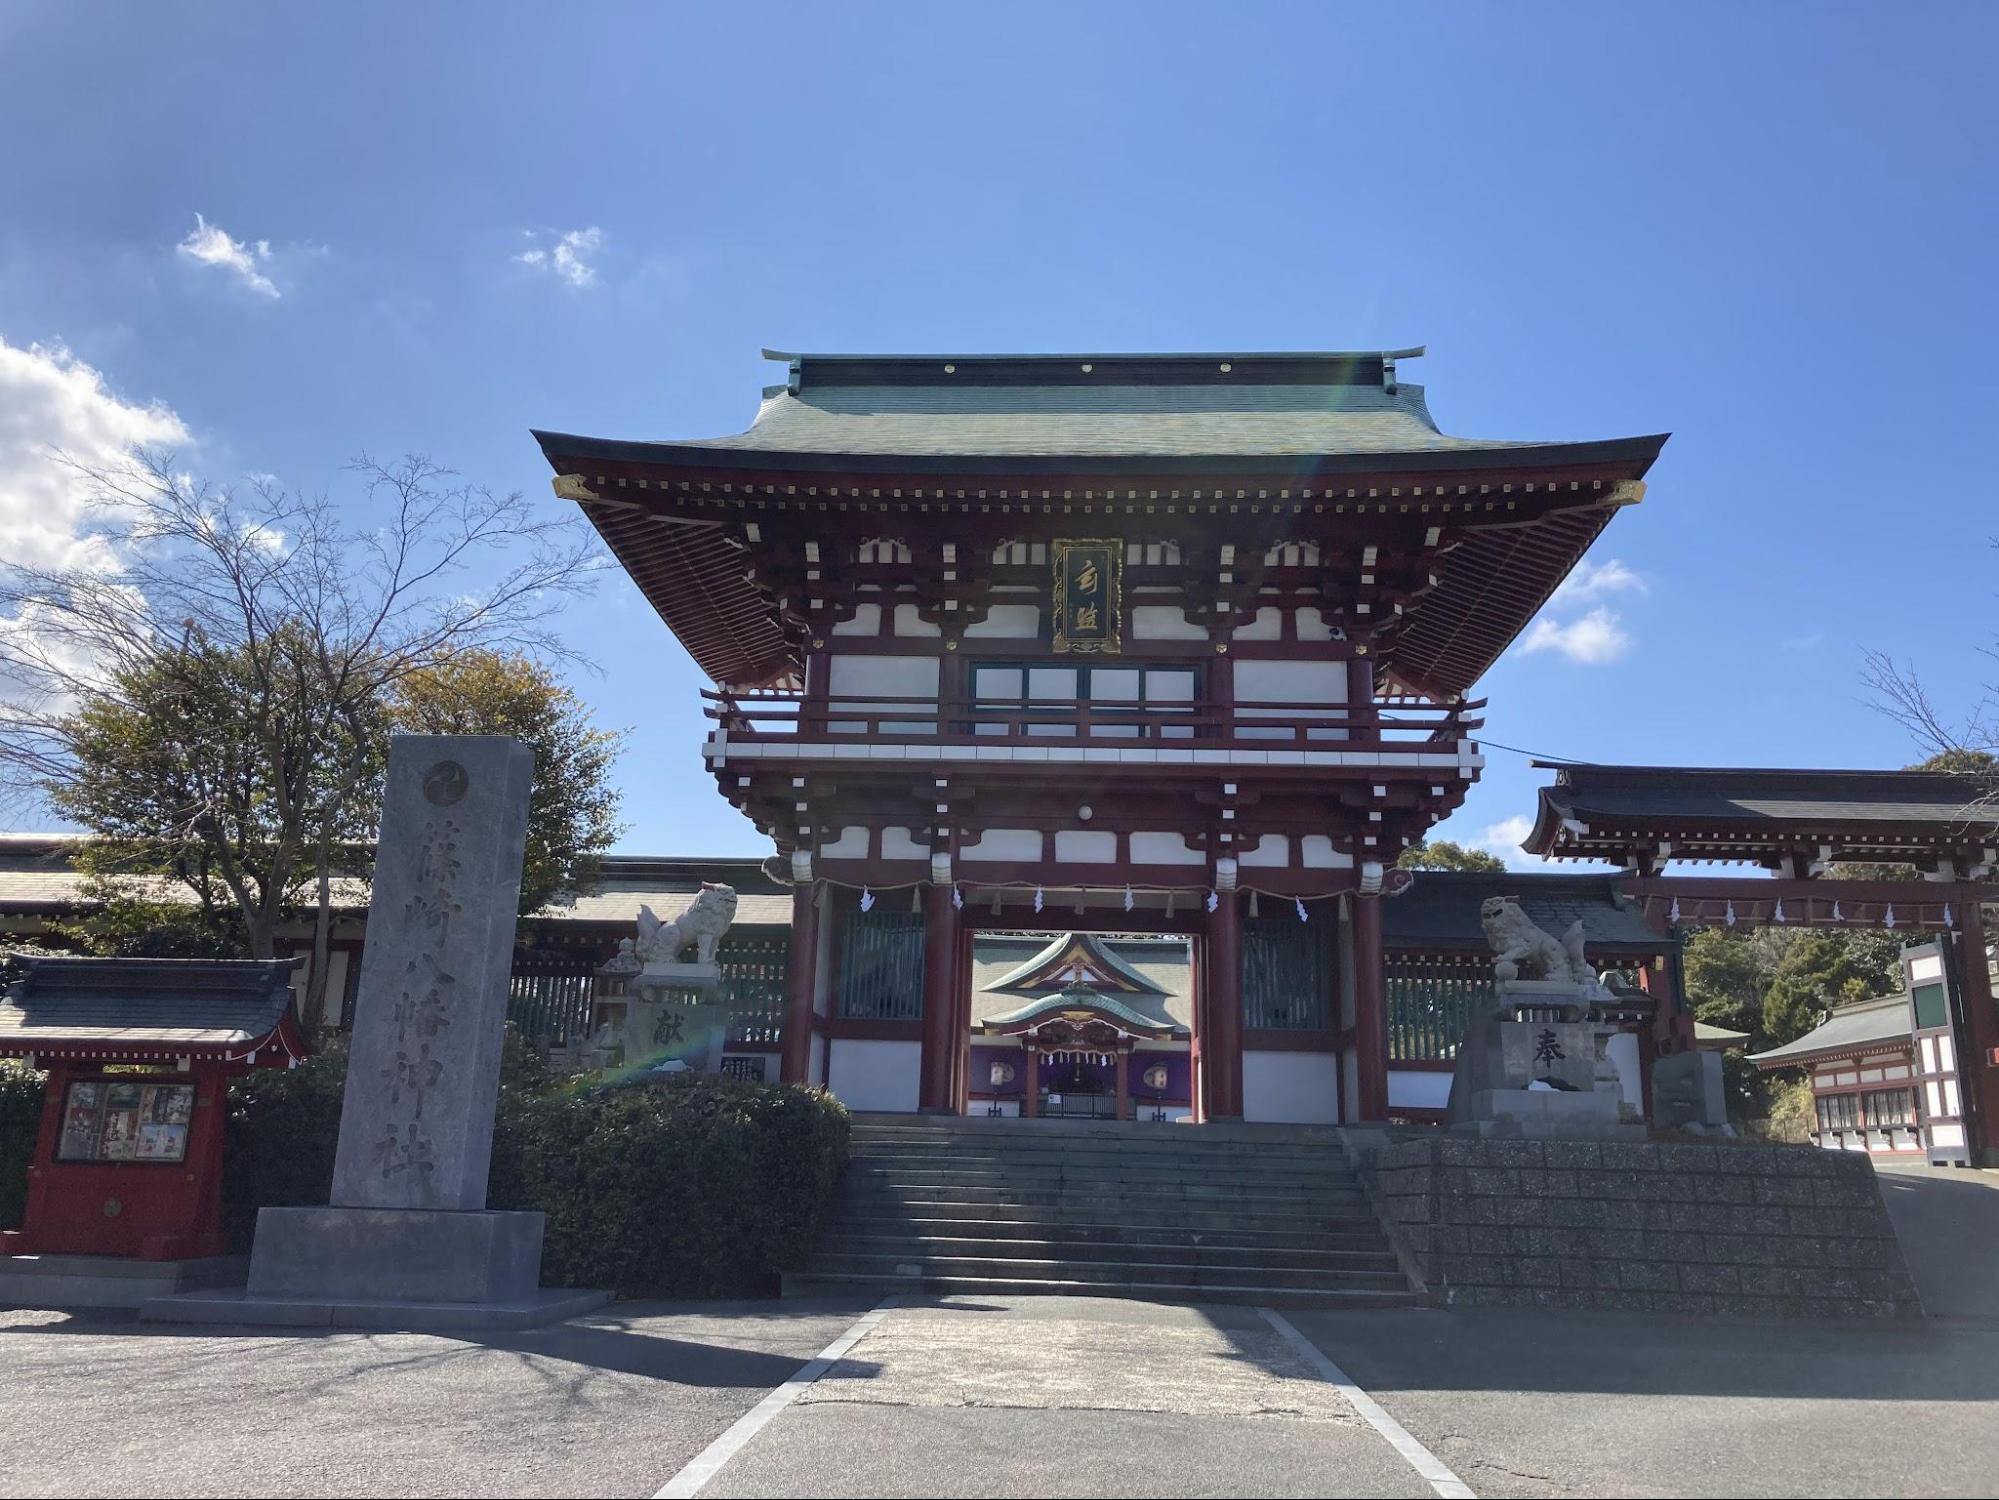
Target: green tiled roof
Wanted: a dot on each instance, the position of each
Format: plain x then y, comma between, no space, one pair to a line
1087,406
1075,998
1883,1022
1099,950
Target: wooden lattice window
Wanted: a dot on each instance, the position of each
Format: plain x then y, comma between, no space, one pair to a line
1286,980
881,969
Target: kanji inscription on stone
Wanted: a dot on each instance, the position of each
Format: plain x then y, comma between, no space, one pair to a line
416,1128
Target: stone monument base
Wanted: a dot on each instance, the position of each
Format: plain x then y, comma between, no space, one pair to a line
401,1254
389,1268
1567,1115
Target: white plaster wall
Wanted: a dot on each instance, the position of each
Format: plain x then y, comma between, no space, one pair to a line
851,844
1273,850
1164,849
850,676
1622,1050
1292,1088
1164,622
1312,625
1290,682
897,844
1267,626
874,1075
854,682
909,623
1409,1088
337,960
1316,852
1080,847
867,621
1003,844
1007,622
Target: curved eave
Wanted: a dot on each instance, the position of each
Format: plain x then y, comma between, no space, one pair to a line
1639,451
1492,584
1548,815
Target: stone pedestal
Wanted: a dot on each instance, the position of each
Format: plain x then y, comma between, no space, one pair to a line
397,1254
1539,1077
1589,1115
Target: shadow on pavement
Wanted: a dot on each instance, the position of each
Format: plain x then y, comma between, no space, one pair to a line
618,1341
1948,1222
1635,1354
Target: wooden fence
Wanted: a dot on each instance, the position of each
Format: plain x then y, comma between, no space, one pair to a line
1429,1003
550,1002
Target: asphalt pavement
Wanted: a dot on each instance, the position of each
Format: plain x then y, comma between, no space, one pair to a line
1033,1396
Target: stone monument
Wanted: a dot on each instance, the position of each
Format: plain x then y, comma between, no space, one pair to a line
1548,1074
407,1238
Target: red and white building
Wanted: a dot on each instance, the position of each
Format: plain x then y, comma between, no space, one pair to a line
1108,643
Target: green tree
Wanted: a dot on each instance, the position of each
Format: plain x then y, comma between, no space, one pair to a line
573,811
1821,970
1442,854
204,684
1726,977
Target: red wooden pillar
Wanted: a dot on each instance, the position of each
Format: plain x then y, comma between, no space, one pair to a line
1979,1073
1197,981
1370,1010
940,1000
1221,1049
1030,1095
1123,1083
961,1052
1360,698
801,977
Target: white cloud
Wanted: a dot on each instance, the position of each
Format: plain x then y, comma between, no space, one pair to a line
1595,638
51,404
54,407
212,245
566,256
1592,581
1503,839
1809,642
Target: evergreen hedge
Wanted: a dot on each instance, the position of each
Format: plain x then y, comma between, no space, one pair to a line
689,1185
20,1123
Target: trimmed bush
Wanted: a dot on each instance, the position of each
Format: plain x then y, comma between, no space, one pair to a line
688,1186
20,1124
277,1150
691,1185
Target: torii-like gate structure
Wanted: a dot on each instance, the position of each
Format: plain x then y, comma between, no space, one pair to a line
1798,825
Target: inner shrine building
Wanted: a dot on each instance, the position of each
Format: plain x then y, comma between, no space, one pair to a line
1180,646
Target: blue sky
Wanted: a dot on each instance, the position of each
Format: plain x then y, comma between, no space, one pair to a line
1767,229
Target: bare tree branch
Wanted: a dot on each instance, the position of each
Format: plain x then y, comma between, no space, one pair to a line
274,626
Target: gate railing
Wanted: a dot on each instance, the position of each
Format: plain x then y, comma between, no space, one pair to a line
1430,1001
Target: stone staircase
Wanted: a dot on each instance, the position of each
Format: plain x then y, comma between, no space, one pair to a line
1215,1213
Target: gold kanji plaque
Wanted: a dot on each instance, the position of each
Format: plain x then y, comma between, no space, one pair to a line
1089,575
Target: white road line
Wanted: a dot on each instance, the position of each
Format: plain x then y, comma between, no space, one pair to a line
705,1465
1421,1459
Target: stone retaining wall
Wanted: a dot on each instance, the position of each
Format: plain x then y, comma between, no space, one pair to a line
1733,1229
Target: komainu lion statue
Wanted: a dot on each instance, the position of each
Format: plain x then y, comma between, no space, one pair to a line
1520,950
702,924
